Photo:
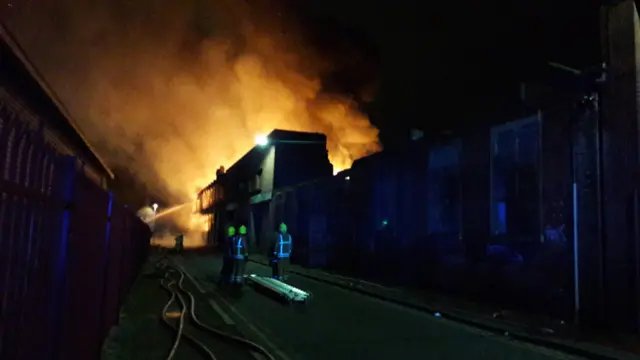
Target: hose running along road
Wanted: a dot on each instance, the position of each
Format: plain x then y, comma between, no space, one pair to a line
172,282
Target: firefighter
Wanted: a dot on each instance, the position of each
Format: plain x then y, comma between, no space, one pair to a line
179,243
281,250
227,262
240,256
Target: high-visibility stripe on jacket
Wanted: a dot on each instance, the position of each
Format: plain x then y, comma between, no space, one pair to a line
240,247
283,245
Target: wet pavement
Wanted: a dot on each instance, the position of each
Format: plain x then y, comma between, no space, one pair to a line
343,324
141,334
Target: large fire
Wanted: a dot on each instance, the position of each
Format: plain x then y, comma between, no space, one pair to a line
193,225
180,93
199,222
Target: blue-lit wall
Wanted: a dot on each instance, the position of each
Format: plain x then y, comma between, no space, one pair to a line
387,208
68,255
487,215
480,215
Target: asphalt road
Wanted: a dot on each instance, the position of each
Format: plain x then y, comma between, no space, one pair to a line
339,324
141,335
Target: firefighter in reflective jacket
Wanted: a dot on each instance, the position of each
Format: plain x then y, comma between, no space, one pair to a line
240,256
227,261
281,250
179,243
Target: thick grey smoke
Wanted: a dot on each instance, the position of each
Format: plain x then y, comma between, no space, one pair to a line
174,89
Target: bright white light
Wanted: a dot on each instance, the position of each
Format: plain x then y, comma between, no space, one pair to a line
347,178
154,207
262,140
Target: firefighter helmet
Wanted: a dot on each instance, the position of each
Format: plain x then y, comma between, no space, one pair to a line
242,230
231,231
283,227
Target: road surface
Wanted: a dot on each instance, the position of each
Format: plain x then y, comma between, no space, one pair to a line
339,324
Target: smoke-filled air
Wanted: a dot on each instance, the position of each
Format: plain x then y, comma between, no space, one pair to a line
175,89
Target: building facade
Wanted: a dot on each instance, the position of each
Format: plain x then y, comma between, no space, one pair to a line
241,194
534,207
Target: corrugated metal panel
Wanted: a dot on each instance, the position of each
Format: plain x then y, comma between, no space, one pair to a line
33,121
27,208
117,238
40,85
53,242
85,271
18,109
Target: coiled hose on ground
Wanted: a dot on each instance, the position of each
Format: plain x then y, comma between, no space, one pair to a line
180,328
167,283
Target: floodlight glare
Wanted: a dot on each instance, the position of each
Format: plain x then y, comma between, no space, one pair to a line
262,140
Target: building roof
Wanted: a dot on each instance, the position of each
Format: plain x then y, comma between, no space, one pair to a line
42,98
283,136
277,135
286,135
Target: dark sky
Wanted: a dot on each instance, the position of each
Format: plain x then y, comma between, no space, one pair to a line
436,59
436,64
443,61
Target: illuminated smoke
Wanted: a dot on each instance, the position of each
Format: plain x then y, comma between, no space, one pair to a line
176,89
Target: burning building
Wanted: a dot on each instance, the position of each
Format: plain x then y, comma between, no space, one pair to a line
245,191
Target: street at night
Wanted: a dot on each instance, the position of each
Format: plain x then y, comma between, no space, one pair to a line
340,324
309,180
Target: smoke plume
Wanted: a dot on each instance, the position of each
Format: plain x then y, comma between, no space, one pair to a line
174,89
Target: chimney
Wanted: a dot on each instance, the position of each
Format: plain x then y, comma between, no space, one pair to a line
220,172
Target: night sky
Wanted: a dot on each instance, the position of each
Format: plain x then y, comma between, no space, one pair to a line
443,62
435,65
435,60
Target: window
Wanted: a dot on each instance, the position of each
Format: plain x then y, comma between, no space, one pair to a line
515,179
208,198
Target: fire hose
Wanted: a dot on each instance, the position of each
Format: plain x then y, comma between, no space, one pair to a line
178,293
